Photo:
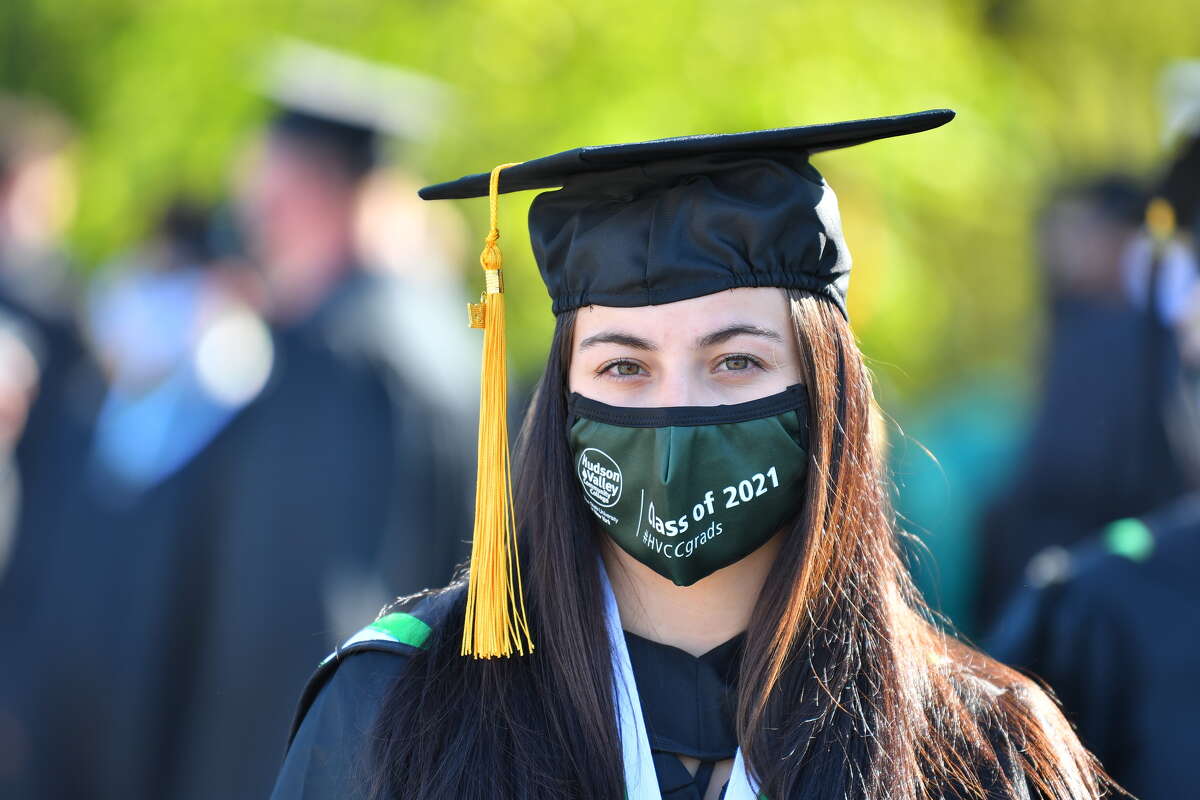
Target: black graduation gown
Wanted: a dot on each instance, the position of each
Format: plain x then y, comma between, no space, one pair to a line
329,747
342,486
1113,630
687,703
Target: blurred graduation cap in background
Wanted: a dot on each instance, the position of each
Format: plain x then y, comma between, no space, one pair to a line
347,106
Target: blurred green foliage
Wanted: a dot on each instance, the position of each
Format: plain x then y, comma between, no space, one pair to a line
163,93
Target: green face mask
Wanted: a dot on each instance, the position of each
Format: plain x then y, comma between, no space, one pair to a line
690,490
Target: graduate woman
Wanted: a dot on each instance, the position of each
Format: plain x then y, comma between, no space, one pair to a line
692,589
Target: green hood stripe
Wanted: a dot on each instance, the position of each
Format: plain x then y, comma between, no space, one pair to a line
404,628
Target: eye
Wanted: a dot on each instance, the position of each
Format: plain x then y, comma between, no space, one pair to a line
621,368
737,363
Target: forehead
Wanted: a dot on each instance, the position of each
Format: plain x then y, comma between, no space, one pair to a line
759,306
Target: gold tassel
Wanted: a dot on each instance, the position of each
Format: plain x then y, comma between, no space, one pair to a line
495,623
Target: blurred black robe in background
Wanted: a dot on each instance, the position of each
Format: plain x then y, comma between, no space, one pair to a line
1115,636
1099,448
159,645
344,485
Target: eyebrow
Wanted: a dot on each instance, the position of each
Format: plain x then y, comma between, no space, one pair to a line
708,340
737,329
617,337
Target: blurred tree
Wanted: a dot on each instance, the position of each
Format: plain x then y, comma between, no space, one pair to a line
163,91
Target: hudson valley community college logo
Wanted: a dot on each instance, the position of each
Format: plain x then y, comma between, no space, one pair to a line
600,476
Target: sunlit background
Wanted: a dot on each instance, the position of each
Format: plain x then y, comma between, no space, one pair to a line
165,98
163,93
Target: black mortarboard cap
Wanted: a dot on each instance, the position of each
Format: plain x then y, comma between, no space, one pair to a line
670,219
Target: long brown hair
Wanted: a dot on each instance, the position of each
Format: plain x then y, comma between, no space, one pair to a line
846,688
842,653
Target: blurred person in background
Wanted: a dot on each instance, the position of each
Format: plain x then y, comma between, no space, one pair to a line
1098,448
49,387
37,199
1111,622
330,482
414,251
243,493
163,324
125,557
39,342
